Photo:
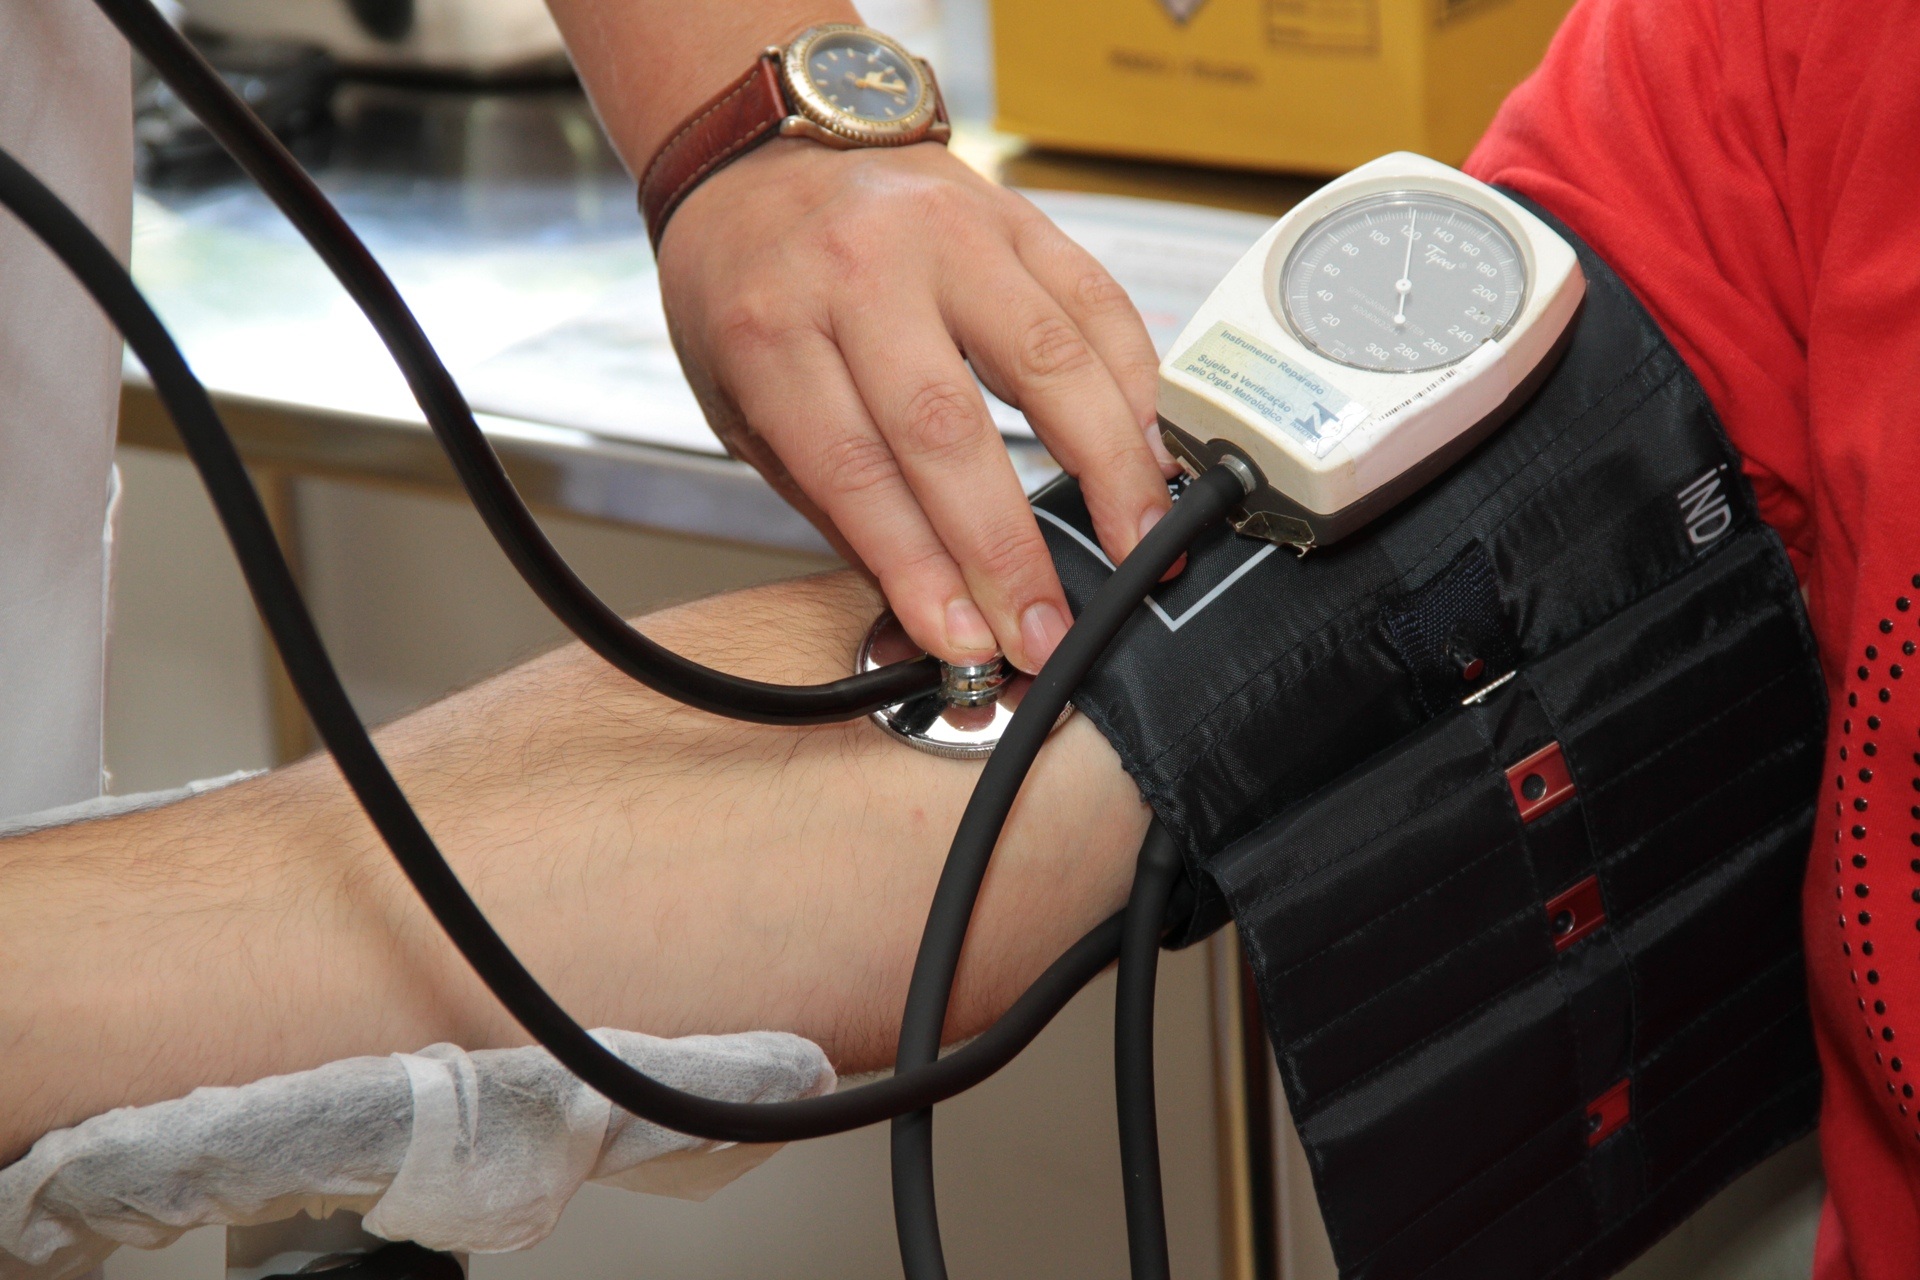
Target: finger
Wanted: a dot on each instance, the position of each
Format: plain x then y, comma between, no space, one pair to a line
751,448
1097,303
918,391
1105,315
1031,354
804,406
745,444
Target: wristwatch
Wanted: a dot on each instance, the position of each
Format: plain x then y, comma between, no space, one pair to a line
838,84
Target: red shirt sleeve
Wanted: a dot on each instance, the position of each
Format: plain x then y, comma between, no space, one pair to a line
1751,168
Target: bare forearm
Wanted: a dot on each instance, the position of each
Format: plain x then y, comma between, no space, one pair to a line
649,64
658,868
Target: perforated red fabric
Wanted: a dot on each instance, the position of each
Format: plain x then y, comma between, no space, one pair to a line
1751,168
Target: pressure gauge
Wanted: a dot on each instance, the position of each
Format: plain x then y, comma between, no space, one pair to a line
1402,282
1370,339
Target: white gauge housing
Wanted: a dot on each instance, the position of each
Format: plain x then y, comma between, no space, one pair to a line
1336,441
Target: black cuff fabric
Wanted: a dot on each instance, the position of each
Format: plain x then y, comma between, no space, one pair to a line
1509,796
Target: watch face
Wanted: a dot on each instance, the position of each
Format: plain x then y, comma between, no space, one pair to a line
856,81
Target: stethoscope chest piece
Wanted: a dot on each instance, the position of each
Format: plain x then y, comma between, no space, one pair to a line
963,719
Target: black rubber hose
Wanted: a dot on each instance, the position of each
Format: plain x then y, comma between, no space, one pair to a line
513,527
1203,504
402,1261
305,656
1154,878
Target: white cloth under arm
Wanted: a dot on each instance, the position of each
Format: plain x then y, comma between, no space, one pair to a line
472,1152
116,806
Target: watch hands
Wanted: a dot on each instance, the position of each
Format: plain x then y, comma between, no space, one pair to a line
1404,285
873,80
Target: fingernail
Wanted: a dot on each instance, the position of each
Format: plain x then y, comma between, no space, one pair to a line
1041,627
967,629
1149,518
1158,443
1147,522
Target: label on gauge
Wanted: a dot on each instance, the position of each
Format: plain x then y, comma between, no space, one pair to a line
1312,411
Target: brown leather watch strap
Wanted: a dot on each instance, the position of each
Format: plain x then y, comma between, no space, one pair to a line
737,119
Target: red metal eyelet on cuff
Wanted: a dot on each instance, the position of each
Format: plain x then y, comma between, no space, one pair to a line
1576,913
1607,1113
1541,782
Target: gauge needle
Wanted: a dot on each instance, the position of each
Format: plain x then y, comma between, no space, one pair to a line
1404,285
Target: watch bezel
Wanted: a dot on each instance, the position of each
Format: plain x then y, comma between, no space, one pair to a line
808,101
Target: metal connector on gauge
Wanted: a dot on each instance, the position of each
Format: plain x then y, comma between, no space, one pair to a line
965,717
1265,514
1241,470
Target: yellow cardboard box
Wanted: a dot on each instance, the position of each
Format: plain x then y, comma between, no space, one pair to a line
1315,86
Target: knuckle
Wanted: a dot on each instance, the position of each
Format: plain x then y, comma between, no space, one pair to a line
949,206
940,421
1096,291
1138,380
941,199
846,243
1032,230
855,464
1107,470
844,236
753,319
1121,458
1009,549
1142,365
1051,348
911,572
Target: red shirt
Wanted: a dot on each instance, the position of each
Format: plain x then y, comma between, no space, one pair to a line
1751,168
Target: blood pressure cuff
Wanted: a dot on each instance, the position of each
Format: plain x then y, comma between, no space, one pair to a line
1509,796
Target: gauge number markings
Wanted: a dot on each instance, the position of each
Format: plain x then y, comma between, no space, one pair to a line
1367,238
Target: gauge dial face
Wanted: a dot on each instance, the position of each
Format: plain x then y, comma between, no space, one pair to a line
1402,282
863,77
